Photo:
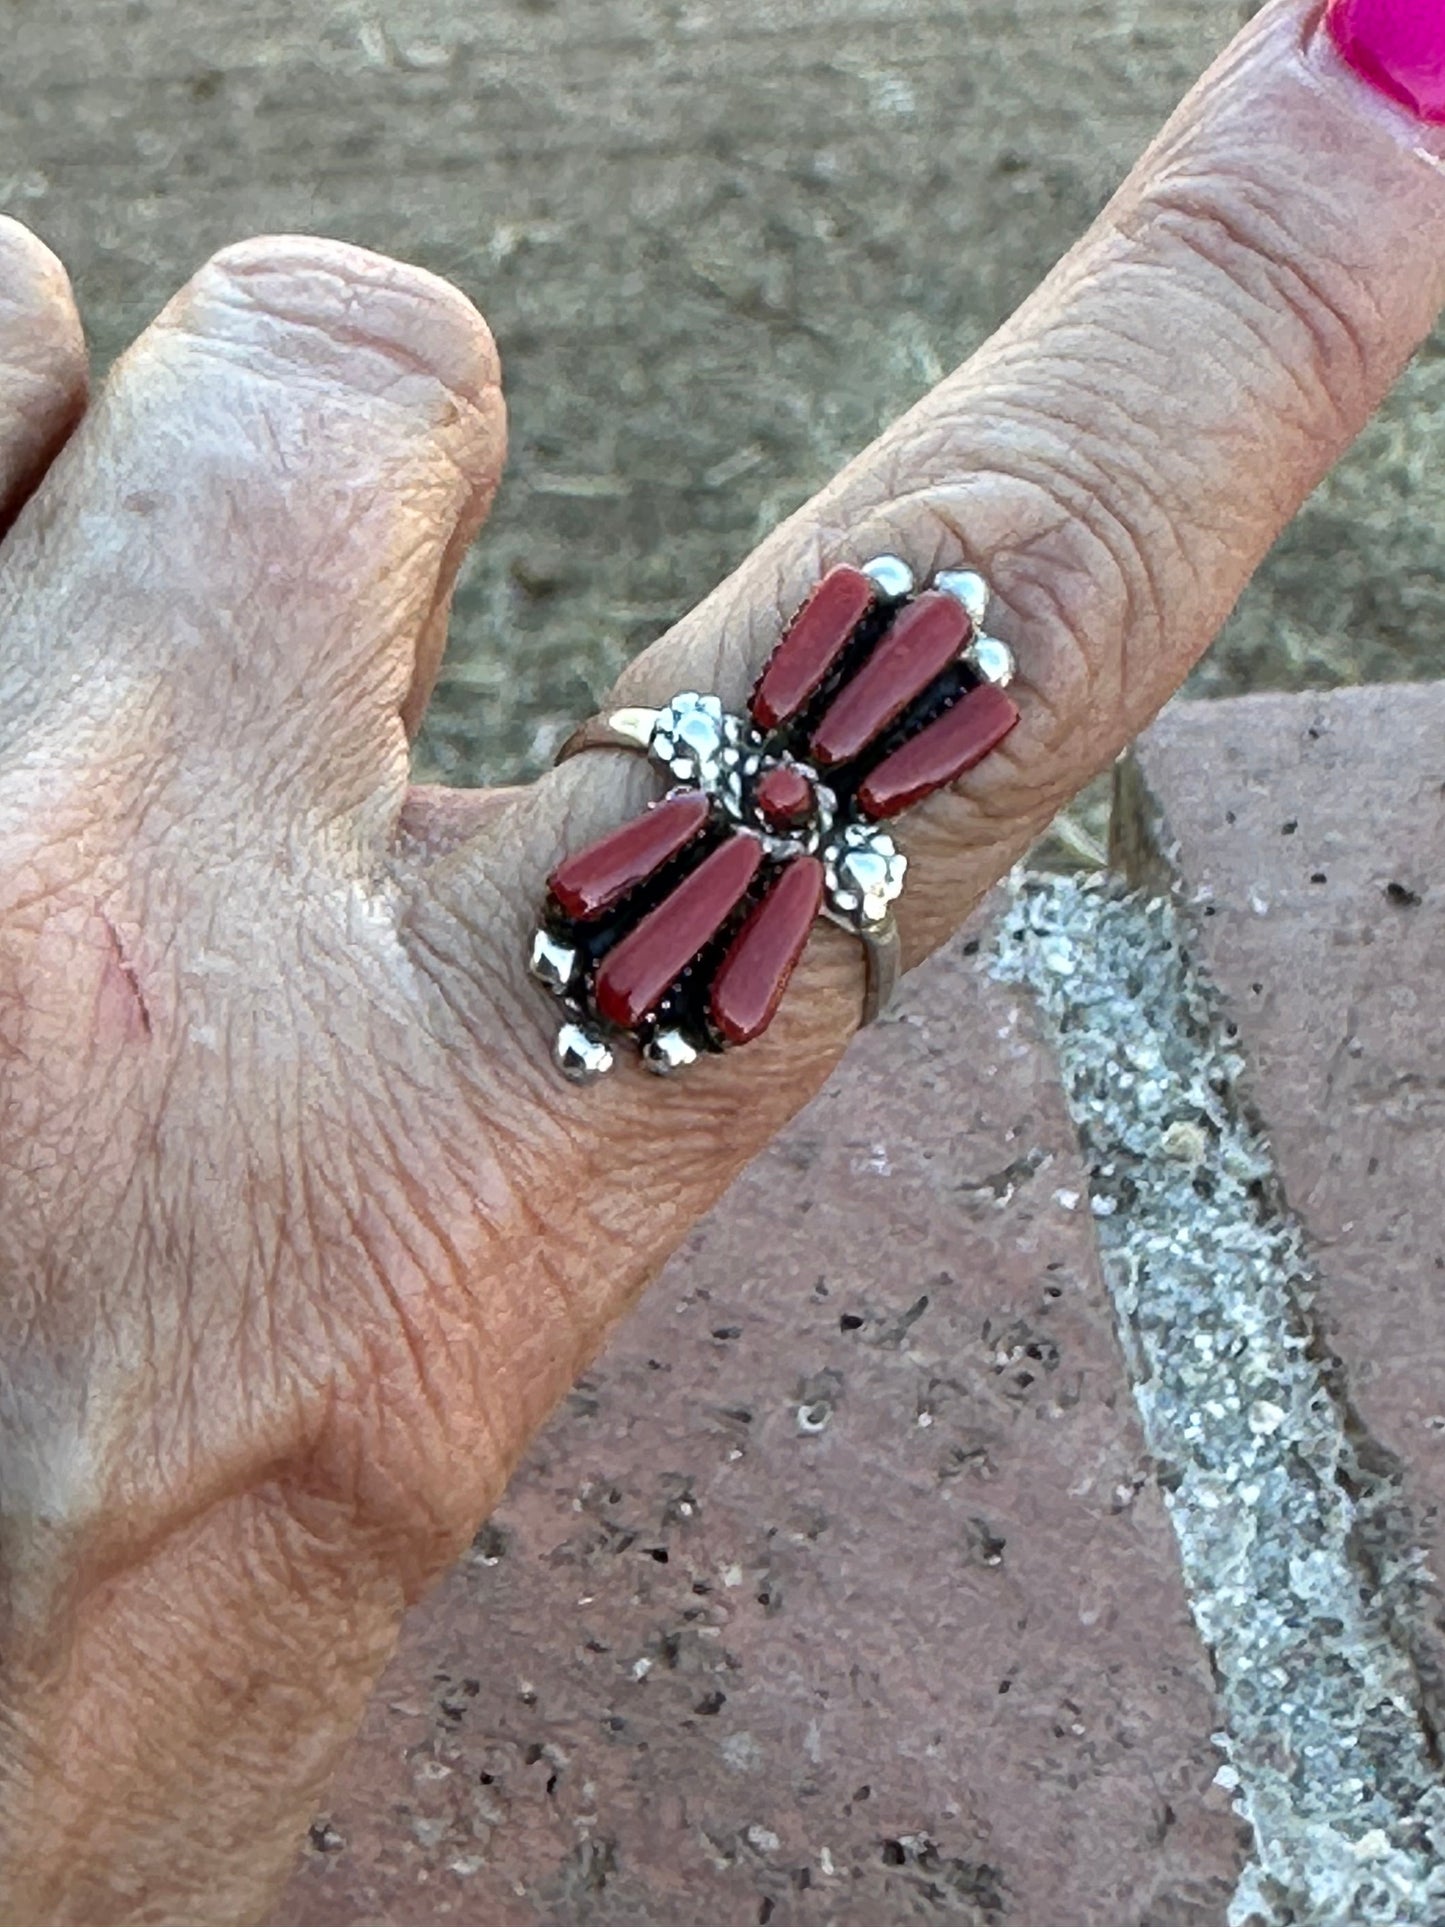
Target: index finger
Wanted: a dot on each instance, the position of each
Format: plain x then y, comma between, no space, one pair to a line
1116,461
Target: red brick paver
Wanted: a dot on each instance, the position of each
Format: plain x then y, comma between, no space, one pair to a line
1311,834
838,1592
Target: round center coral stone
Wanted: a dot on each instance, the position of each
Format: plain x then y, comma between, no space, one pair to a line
784,797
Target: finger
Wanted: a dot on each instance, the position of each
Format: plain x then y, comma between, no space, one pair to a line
1116,461
435,820
257,528
1121,456
43,370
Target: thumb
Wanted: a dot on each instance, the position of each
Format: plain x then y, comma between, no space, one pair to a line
1116,461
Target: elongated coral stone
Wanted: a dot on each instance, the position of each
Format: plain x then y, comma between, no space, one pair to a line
749,986
637,971
921,643
961,737
593,880
814,640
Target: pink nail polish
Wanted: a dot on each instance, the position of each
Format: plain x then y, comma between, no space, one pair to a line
1398,46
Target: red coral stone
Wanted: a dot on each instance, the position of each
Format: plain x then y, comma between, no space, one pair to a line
784,796
593,880
922,642
749,987
808,651
637,971
961,737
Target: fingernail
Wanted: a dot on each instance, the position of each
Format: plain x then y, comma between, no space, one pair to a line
1398,46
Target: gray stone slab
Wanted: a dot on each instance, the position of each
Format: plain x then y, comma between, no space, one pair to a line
839,1590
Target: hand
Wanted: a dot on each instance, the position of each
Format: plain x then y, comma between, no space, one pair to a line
302,1235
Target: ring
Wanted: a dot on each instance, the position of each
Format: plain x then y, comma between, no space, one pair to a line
679,931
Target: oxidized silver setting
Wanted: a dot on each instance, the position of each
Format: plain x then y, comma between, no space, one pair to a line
760,784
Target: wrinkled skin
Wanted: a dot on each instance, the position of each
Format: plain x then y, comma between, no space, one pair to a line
300,1235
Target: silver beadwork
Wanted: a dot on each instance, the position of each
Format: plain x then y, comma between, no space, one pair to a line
863,872
891,573
580,1055
551,962
689,736
993,660
668,1051
969,588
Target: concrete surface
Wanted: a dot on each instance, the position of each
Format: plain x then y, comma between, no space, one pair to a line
840,1591
720,245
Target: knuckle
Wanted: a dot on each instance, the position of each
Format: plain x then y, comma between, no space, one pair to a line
42,335
1077,564
31,277
328,307
1111,494
1307,320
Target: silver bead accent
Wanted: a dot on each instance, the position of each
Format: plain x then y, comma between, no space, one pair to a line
551,962
993,660
863,871
668,1051
891,573
969,588
580,1056
689,737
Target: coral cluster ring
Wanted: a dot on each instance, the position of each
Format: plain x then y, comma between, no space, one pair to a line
680,930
